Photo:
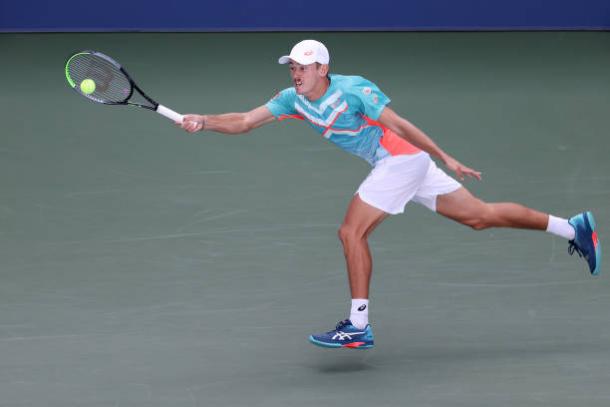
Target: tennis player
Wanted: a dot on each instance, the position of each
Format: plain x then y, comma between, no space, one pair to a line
353,113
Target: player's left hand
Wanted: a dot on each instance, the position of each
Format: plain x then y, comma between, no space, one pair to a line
461,170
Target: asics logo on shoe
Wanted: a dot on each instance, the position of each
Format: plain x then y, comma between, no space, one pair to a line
362,307
340,335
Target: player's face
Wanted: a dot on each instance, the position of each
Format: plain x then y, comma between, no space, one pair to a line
307,79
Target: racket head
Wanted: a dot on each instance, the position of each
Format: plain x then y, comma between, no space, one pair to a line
113,86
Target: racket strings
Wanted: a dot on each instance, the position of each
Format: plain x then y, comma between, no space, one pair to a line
111,84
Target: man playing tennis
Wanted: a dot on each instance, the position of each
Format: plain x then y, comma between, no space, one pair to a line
353,113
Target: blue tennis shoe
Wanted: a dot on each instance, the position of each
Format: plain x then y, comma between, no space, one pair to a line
586,242
345,335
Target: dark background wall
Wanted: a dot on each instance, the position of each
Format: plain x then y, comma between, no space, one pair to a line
276,15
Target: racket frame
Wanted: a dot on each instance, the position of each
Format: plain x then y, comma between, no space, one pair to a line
156,107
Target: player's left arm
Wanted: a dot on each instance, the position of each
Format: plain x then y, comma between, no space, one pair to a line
405,129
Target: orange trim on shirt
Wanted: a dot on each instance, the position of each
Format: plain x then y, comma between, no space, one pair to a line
397,145
392,142
290,116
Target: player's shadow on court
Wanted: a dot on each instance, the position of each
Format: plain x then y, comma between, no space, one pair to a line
431,357
337,364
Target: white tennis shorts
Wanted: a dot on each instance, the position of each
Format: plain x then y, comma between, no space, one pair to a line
394,181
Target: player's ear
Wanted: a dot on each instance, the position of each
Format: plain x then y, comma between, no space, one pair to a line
323,69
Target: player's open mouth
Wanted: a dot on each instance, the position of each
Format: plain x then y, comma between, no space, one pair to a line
298,83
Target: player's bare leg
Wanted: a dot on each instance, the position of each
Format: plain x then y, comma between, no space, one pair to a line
360,221
465,208
469,210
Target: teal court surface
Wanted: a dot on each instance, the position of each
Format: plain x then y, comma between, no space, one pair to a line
143,266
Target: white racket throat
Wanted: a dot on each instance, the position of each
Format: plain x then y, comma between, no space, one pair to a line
170,114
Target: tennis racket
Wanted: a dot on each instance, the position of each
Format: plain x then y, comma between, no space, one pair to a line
103,80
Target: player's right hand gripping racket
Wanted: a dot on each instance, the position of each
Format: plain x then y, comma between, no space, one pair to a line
101,79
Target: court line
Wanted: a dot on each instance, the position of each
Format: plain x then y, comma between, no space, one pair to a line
41,337
94,192
504,285
193,234
213,217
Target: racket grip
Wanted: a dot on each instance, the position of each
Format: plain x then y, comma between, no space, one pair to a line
170,114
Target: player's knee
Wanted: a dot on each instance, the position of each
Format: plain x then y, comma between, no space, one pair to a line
344,233
348,233
480,219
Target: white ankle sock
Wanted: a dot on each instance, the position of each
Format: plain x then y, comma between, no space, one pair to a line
359,314
560,227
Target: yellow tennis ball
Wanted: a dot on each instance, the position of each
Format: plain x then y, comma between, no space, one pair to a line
87,86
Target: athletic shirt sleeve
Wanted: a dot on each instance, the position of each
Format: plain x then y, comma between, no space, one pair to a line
282,104
371,99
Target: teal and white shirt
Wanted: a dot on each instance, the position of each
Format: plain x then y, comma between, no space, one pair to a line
347,116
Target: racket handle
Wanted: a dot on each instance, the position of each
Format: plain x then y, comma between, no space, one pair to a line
170,114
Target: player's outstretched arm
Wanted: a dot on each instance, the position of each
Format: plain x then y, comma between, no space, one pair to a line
228,123
418,138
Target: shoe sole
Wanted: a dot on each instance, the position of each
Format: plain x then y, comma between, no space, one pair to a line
598,248
337,345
